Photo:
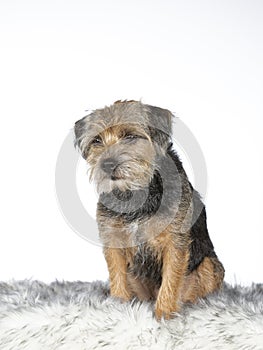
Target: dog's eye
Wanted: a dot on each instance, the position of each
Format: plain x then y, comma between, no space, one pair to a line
131,137
96,141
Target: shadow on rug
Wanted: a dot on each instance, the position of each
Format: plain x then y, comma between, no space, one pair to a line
81,316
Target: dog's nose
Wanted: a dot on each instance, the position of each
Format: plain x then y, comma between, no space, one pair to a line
109,165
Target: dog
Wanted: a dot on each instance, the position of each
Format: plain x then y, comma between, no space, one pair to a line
151,221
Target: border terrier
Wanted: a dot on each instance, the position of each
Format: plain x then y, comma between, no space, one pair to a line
151,221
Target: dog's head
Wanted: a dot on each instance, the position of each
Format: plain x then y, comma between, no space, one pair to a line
122,143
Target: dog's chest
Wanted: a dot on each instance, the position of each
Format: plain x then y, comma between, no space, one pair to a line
145,264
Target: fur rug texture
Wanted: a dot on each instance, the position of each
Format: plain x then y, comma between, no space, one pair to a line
80,316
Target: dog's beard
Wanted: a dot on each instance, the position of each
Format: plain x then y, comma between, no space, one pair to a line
131,175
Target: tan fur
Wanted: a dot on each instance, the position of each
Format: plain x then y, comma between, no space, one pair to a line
118,273
206,279
175,262
168,245
143,290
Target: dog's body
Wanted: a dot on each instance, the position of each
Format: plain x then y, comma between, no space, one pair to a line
151,221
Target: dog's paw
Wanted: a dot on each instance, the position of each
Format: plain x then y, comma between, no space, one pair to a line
165,310
123,295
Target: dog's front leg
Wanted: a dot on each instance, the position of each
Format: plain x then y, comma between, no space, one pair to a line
174,267
117,267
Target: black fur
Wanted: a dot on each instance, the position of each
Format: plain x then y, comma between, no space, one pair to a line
201,245
145,264
122,206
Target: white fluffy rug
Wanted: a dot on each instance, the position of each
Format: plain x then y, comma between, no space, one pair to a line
78,316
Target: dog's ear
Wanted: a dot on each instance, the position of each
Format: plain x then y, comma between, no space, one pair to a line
160,124
80,130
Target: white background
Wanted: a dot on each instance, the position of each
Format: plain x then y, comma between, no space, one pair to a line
200,59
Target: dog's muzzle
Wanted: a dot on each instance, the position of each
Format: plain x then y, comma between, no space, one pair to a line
109,166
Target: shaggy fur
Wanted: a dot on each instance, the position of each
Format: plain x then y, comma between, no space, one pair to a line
152,223
82,316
